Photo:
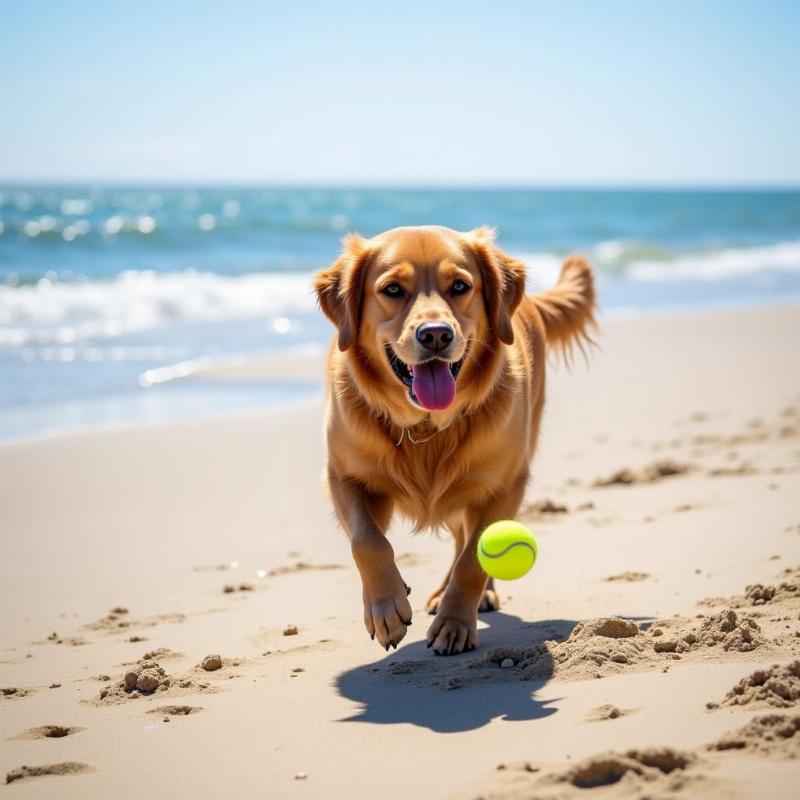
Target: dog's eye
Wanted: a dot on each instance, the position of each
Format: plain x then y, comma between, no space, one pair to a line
460,287
393,290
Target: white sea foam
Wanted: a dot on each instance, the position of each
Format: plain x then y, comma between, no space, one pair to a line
730,263
62,313
542,269
622,259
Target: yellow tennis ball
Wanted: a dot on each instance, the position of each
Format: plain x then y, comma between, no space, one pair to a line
507,550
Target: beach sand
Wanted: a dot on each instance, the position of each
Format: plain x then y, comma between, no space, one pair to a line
131,555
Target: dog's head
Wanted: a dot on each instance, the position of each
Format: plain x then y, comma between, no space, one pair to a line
420,303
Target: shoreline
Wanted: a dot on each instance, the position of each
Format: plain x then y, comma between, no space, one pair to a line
276,370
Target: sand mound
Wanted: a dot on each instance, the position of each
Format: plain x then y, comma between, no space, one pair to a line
758,594
160,653
609,768
777,686
542,507
651,771
649,474
65,768
775,735
609,643
115,619
607,711
608,627
119,619
726,630
14,692
642,773
147,677
604,642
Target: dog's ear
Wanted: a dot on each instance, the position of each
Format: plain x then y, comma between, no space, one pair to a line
340,286
503,281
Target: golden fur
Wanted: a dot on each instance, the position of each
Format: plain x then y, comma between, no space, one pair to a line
462,467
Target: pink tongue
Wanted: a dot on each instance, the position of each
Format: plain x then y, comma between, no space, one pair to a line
434,385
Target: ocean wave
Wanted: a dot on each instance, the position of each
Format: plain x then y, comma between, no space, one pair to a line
637,261
720,264
51,312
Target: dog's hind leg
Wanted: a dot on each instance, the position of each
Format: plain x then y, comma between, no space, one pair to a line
455,627
432,603
490,600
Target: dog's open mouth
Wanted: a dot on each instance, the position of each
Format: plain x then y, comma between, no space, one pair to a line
431,384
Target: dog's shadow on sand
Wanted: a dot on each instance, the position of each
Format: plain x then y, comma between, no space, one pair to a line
454,693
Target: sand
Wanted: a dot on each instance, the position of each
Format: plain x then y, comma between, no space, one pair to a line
778,686
653,649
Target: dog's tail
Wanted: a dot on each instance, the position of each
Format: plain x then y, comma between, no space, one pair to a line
568,309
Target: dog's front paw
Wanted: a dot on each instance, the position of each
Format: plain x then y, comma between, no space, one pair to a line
387,612
450,635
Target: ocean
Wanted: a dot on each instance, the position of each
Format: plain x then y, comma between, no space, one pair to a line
109,293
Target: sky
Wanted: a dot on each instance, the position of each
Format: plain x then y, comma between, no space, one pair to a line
427,93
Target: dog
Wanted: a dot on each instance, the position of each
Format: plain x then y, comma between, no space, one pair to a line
436,382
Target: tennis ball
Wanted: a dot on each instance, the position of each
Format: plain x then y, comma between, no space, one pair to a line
507,550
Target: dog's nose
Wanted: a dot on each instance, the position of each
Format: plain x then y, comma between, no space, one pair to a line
435,336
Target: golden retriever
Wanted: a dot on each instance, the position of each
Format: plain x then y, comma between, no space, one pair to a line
435,393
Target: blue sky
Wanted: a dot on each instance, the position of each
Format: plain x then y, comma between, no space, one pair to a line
585,93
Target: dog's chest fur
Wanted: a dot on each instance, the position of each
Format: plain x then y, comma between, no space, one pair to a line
433,480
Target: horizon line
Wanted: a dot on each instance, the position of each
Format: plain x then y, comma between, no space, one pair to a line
401,185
